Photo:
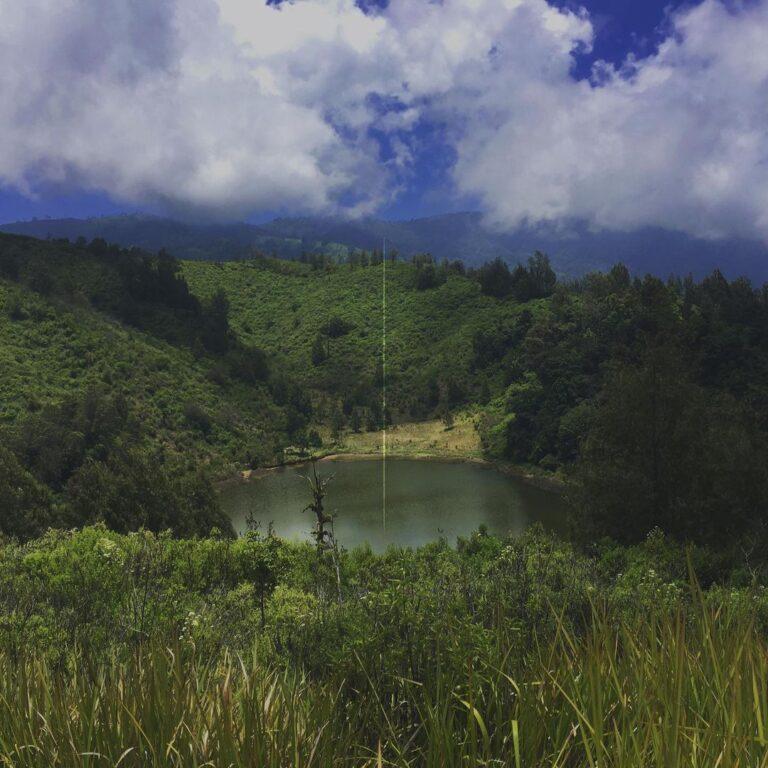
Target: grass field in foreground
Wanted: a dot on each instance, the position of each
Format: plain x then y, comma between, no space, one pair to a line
656,690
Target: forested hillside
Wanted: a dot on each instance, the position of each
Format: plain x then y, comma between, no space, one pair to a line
325,324
201,366
121,393
609,380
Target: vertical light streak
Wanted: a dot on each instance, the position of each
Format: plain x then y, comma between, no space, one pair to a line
384,384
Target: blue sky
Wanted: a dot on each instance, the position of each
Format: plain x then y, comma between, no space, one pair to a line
620,113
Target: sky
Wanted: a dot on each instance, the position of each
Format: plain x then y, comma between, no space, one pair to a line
619,113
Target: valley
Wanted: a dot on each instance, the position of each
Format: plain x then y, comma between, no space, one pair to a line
139,393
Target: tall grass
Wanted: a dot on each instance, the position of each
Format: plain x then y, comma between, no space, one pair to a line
667,689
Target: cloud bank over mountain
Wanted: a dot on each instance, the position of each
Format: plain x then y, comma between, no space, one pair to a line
226,107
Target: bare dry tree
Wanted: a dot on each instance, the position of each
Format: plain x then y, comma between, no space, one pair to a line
324,536
317,485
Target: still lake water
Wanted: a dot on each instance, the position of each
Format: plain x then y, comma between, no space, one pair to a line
425,500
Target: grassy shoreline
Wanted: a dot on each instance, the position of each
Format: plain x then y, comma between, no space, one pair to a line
423,441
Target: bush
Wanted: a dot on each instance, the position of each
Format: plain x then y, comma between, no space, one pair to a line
338,327
14,308
131,491
319,353
197,417
427,277
26,506
495,279
248,364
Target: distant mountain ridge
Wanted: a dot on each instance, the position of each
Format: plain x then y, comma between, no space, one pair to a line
574,250
187,241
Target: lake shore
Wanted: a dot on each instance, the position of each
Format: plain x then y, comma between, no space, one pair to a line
427,441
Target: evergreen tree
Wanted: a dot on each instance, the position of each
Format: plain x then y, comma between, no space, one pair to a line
319,352
495,279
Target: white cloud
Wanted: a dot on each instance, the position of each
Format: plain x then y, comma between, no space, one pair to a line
230,106
679,139
157,101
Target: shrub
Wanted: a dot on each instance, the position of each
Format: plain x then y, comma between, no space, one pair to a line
197,417
26,506
337,327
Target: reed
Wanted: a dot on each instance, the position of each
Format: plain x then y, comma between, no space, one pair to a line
684,688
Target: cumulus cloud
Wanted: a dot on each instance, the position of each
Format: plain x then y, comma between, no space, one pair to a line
225,107
230,106
157,100
679,139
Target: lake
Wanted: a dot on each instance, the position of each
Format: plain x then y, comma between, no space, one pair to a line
425,500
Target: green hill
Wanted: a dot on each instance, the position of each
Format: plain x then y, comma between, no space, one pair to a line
118,389
286,309
50,350
61,333
117,363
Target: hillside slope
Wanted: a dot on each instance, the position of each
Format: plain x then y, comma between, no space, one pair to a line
71,321
429,333
61,335
224,365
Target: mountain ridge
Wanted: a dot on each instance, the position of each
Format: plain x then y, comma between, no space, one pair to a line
574,249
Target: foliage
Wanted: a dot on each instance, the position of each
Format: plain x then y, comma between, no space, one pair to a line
26,504
536,280
83,341
511,652
664,452
297,316
130,491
